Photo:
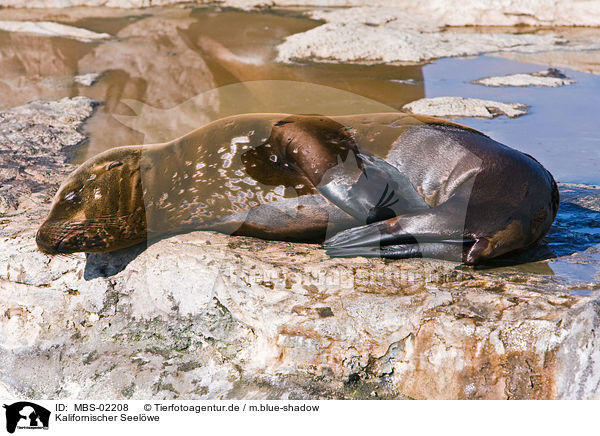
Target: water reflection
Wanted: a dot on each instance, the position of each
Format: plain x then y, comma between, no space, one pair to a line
168,56
30,63
575,229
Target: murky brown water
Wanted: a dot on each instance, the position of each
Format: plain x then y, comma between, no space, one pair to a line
165,57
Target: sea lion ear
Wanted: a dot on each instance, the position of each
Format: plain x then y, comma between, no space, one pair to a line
113,164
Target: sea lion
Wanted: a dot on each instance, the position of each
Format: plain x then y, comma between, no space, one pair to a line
388,184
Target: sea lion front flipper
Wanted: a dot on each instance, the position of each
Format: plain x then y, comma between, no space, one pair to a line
326,153
376,192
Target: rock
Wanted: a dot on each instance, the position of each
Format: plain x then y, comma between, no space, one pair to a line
86,79
456,107
462,13
205,315
591,202
550,77
394,43
212,316
444,13
371,34
48,28
33,141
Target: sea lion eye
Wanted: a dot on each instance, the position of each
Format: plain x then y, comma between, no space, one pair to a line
70,196
113,164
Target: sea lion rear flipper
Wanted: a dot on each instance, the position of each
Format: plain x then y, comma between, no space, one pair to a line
449,250
437,232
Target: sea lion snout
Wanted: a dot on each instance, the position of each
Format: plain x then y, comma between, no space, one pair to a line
45,244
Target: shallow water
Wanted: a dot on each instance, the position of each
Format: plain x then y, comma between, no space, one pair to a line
167,71
561,129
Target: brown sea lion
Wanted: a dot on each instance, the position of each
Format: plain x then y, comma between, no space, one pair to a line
389,185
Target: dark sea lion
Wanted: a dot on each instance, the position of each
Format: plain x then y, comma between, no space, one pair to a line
390,185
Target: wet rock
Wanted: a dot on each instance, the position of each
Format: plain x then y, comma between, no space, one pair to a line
591,202
48,28
550,77
458,107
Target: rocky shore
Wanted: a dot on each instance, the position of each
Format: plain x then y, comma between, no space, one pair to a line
208,316
256,319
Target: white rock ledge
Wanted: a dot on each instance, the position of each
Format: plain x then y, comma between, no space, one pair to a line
406,33
460,107
460,13
48,28
394,43
442,12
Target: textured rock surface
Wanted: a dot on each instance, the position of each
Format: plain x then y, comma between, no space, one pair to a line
33,141
550,77
394,43
245,311
402,35
467,13
453,13
464,107
587,61
206,315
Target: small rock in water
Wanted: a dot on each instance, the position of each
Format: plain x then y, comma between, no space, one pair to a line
551,77
86,79
464,107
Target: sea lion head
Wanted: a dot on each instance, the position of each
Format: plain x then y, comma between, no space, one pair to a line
99,208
